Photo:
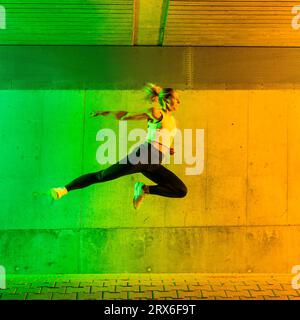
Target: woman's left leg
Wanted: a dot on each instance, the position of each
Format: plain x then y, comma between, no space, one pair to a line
113,172
167,183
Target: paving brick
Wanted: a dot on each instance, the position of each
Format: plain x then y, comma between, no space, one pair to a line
285,292
278,280
120,278
260,293
190,294
293,297
53,290
217,282
96,289
195,283
216,287
256,281
237,294
276,298
179,282
140,295
247,287
123,283
41,296
142,279
43,284
236,282
73,284
115,295
10,290
251,298
273,286
77,290
152,287
134,282
86,283
218,293
29,290
207,287
128,288
108,283
64,296
19,285
89,296
167,294
286,286
7,296
298,292
268,280
98,283
182,287
155,276
156,282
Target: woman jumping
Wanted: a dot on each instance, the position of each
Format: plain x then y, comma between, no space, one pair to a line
159,117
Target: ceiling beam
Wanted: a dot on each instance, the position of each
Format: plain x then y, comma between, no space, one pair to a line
135,21
149,22
163,24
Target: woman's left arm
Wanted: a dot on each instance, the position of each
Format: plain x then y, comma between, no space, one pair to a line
132,116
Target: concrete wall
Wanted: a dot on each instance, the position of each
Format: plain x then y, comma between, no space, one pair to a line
240,215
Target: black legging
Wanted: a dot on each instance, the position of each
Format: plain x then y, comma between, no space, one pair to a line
167,183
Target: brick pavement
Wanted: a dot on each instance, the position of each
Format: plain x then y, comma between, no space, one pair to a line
150,287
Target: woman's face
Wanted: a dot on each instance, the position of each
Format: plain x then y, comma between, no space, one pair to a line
174,101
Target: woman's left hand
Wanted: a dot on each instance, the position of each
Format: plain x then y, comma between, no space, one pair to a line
93,114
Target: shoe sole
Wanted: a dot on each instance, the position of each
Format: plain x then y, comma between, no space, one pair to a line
136,194
53,194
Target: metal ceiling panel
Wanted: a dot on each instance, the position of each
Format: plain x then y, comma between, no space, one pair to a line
231,23
53,22
151,22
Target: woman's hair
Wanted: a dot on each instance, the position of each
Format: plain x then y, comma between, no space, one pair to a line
163,94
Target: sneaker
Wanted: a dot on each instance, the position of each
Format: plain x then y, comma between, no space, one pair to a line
139,194
57,193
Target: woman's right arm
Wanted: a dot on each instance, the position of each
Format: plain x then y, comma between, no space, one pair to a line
153,113
120,115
